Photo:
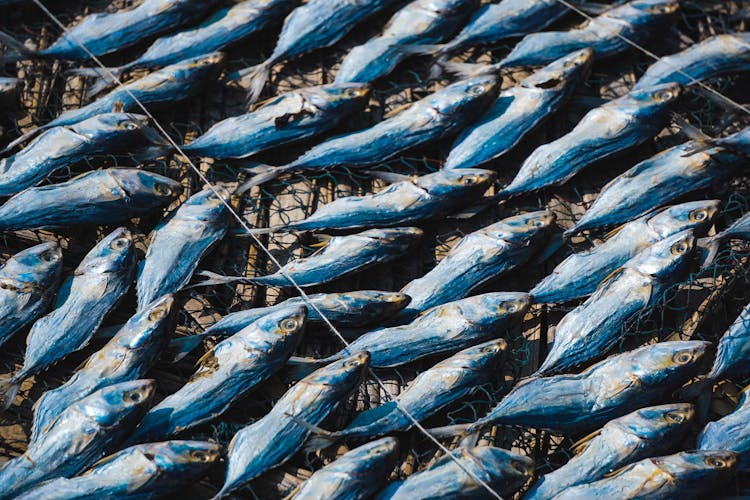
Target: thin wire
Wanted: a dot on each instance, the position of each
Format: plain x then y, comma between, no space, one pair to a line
270,255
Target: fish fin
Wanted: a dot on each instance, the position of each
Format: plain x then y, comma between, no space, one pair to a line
451,430
264,175
254,79
397,110
614,231
583,443
467,70
215,279
390,177
702,140
100,78
709,249
323,240
25,137
321,438
19,51
180,347
205,360
614,274
9,387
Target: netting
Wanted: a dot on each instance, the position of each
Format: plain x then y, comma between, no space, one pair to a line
700,307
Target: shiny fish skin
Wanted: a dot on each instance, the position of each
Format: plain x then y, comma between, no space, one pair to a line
518,110
180,242
289,117
653,182
684,475
593,328
127,356
419,22
733,352
225,373
581,273
617,125
99,198
479,256
273,439
709,58
28,283
84,300
356,475
504,471
81,434
344,255
731,432
644,433
151,470
431,118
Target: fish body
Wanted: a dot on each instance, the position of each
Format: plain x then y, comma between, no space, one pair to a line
127,356
59,147
683,475
84,300
617,125
100,198
80,435
179,243
419,22
356,475
593,328
733,352
273,439
644,433
502,470
740,229
28,283
290,117
581,273
478,257
518,110
141,471
739,142
225,373
707,59
731,432
344,255
609,389
653,182
9,90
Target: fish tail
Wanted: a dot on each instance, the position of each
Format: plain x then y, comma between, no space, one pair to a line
709,248
422,50
263,174
19,51
467,70
25,137
451,430
212,278
224,491
101,78
321,438
8,390
254,79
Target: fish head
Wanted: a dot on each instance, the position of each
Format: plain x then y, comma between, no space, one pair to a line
287,322
107,126
341,96
210,204
669,361
146,186
464,95
115,253
117,403
570,68
345,373
460,182
371,303
658,424
521,228
40,264
502,465
177,455
655,98
695,215
10,84
665,258
699,466
147,323
489,309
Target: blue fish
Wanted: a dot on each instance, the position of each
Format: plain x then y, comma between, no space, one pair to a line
287,118
179,243
502,470
28,283
519,110
739,142
79,436
99,198
581,273
644,433
84,300
127,356
731,432
733,353
273,439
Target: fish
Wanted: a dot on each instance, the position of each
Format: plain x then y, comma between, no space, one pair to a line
101,197
79,436
739,142
314,25
443,329
127,356
226,27
733,352
406,201
141,471
59,147
28,283
98,283
225,373
709,58
356,309
287,118
614,126
419,22
739,230
179,243
644,433
107,32
594,327
273,439
356,475
431,118
344,255
609,389
9,90
654,182
502,470
519,110
431,392
478,257
580,274
731,432
684,475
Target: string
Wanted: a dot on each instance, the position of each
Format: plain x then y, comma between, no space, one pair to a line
270,255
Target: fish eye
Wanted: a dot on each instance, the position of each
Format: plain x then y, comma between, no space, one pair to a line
537,223
49,256
468,180
133,397
157,314
476,89
201,456
519,466
289,324
351,363
698,215
664,95
351,92
679,248
716,462
119,243
512,308
131,125
677,418
682,358
162,189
